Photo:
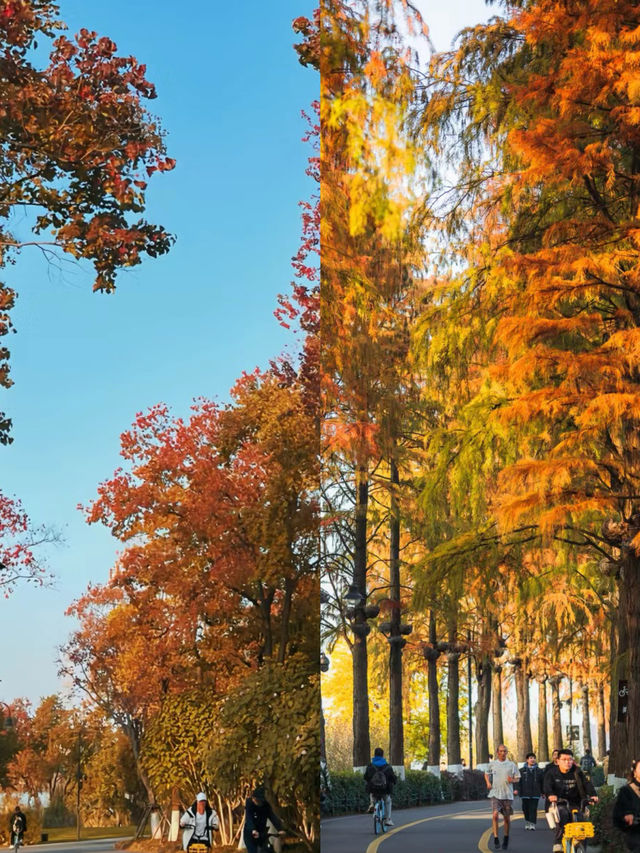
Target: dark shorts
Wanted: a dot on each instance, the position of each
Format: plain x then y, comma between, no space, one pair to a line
504,807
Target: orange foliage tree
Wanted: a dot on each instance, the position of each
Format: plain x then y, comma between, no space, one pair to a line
218,518
78,146
545,101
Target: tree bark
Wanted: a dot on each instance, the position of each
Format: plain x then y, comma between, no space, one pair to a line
498,733
482,708
289,587
586,718
396,640
543,731
361,742
432,656
556,718
523,712
454,752
601,728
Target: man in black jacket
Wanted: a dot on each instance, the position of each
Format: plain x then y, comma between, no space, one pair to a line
568,783
530,790
626,811
17,824
380,778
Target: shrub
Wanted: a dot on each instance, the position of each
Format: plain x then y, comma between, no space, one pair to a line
347,792
471,786
601,815
597,776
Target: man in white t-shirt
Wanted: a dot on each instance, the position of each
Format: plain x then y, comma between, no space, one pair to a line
500,778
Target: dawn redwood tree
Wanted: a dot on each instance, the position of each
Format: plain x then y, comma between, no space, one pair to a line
365,161
545,99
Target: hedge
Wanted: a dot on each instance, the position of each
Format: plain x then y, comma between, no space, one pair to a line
347,792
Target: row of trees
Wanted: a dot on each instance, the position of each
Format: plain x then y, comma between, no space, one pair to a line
479,266
54,752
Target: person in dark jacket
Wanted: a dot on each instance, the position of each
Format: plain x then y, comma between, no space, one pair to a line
587,763
380,771
257,812
567,782
626,810
547,767
17,824
530,786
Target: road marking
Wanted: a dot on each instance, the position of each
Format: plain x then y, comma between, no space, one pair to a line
373,847
487,835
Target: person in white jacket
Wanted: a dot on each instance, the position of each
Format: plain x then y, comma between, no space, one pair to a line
200,821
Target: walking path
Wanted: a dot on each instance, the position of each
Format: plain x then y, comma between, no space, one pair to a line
451,828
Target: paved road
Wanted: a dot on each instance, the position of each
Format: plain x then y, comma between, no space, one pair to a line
100,845
452,828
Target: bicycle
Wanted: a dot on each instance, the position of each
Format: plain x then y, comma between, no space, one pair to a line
577,831
264,842
379,814
16,834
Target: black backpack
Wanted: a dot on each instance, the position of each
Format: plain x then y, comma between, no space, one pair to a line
379,780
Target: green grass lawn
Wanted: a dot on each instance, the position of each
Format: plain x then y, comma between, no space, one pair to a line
68,833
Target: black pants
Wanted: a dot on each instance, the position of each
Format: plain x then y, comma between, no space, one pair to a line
251,842
530,809
565,817
633,842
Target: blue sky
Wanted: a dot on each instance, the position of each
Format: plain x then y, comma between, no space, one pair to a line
230,91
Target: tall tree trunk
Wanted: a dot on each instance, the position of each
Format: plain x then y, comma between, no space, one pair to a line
498,733
523,711
396,640
289,587
600,716
454,753
361,742
556,718
586,718
482,707
624,714
543,732
133,730
432,654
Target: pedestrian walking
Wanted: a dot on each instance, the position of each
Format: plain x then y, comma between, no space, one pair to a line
500,778
530,789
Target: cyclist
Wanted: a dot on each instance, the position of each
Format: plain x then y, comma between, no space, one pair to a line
626,811
17,824
257,812
380,778
587,763
500,779
199,822
566,782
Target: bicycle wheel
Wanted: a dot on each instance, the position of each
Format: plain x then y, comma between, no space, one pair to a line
579,848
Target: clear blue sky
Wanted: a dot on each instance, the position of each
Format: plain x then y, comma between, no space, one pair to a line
230,91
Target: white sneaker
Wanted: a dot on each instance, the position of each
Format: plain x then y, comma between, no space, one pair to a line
389,823
533,826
